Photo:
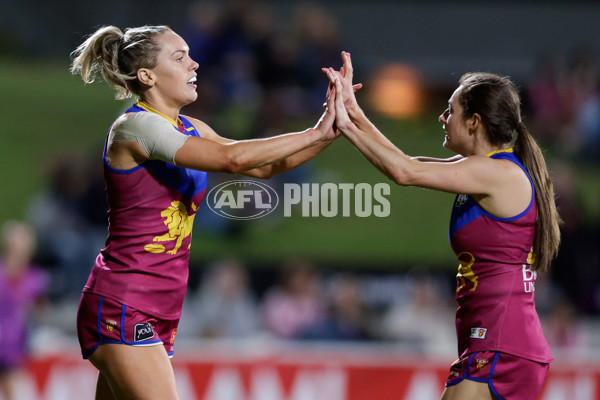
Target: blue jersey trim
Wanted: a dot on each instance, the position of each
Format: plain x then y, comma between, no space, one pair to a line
121,171
187,182
470,210
189,127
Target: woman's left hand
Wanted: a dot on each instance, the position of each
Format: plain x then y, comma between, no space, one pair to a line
326,124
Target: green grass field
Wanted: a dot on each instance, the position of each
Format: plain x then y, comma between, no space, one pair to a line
46,111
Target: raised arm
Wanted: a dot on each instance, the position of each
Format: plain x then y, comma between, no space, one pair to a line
138,137
284,164
245,155
476,175
435,159
267,170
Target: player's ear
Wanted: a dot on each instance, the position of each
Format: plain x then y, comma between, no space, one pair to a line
146,77
474,122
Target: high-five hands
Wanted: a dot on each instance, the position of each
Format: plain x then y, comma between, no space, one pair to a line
343,91
346,74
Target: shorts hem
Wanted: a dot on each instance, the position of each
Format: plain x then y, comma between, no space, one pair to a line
150,344
102,340
488,381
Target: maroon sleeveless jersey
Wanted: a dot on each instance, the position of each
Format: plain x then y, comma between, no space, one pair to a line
495,283
151,215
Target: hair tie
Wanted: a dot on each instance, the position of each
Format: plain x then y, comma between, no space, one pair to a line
520,126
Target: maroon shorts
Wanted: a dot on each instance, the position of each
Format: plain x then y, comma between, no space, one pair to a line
103,320
509,377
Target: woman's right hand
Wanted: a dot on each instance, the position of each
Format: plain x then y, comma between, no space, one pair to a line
346,74
343,121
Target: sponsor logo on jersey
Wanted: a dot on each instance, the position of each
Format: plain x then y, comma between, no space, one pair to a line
111,325
461,199
142,332
481,363
529,277
478,333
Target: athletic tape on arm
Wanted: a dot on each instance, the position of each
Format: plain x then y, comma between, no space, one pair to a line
154,133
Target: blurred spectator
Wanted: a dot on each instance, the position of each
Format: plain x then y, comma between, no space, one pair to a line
200,33
546,93
560,318
224,307
565,332
347,316
21,285
294,306
319,46
424,322
226,39
70,219
201,29
585,98
257,72
565,103
570,262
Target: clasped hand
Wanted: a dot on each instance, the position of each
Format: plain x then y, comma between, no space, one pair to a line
340,102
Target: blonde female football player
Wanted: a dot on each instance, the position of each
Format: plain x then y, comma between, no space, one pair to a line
155,167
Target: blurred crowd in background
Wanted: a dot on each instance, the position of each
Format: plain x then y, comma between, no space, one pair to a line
257,75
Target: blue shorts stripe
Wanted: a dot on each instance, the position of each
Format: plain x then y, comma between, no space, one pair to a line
492,388
123,310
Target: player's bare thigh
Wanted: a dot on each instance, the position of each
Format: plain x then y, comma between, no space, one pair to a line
468,390
136,373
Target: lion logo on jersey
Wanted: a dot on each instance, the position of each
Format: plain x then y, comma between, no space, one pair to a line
465,272
180,226
481,363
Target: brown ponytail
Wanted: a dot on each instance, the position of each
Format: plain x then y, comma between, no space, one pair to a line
496,99
118,56
547,232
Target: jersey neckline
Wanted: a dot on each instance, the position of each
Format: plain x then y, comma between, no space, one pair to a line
146,107
507,150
